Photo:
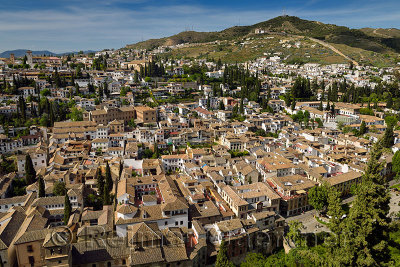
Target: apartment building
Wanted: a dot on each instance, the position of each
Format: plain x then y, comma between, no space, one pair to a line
108,114
146,114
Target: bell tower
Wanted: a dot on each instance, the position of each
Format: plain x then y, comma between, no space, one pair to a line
12,58
29,57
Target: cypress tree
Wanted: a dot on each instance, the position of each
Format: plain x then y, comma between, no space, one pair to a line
77,92
388,138
241,108
39,107
389,102
41,187
67,209
363,128
121,168
109,181
51,114
100,183
321,107
106,196
221,105
30,173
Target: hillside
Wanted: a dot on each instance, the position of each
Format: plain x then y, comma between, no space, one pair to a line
382,41
386,33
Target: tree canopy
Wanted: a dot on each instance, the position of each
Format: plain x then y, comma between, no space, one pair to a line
318,197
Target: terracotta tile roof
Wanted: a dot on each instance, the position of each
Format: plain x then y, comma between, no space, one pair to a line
230,225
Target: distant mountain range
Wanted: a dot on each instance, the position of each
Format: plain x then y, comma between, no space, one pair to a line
22,52
376,40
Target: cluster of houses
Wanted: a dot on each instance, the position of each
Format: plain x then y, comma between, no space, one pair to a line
185,176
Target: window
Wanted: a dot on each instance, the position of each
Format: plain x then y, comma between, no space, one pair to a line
176,223
29,248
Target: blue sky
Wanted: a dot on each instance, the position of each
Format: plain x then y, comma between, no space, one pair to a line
73,25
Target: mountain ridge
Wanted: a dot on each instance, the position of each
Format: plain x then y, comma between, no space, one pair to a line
21,52
359,38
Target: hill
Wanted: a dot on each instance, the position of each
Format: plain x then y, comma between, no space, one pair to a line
386,41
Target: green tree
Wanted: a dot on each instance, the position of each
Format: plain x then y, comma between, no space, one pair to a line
366,228
109,181
7,165
106,196
396,164
156,153
221,105
391,120
76,114
222,257
30,173
132,123
41,192
388,137
320,123
321,107
59,189
294,233
363,128
123,91
22,107
45,92
147,153
94,201
100,183
241,108
335,210
318,197
253,260
389,102
67,209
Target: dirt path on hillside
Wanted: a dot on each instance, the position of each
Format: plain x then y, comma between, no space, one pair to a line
334,50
